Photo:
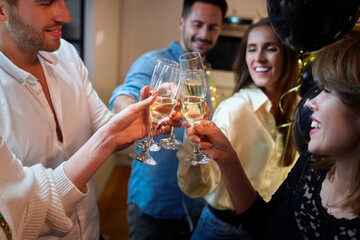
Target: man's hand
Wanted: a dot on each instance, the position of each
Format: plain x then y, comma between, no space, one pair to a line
131,123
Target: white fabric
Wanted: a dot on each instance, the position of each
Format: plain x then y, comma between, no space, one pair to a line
246,120
33,199
28,124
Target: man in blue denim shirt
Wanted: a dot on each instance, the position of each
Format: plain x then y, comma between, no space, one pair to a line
157,207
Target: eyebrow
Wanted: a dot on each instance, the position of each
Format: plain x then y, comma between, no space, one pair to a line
266,43
211,24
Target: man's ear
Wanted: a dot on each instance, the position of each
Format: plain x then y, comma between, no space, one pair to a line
181,23
3,11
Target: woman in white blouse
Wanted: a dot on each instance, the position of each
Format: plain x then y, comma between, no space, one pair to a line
251,119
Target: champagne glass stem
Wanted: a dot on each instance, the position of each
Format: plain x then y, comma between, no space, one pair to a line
197,151
150,135
172,134
143,155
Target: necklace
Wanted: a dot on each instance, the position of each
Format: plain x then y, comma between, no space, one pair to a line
327,207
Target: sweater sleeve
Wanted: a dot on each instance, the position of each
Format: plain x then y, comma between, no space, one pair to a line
35,201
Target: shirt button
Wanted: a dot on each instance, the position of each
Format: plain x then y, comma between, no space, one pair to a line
38,92
22,81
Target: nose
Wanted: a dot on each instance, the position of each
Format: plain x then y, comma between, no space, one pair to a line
260,56
312,103
62,13
204,33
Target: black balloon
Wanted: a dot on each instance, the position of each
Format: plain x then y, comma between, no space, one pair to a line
301,124
308,25
307,80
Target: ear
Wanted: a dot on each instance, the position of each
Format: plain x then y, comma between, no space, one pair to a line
3,11
181,23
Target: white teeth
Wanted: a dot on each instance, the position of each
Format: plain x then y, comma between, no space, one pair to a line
315,124
262,69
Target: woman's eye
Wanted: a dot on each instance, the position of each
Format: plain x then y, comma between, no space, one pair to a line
45,3
326,90
272,49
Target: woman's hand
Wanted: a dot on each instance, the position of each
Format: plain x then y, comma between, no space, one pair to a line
212,142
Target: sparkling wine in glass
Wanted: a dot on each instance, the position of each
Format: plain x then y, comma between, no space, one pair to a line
193,95
167,88
160,63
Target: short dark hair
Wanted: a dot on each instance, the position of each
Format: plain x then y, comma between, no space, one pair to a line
189,3
12,2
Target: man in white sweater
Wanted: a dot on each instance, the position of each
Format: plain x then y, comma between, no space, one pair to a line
36,201
50,113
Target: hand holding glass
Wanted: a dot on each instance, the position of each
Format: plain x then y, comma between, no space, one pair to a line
159,65
193,95
167,88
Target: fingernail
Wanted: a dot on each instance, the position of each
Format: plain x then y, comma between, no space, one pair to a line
154,93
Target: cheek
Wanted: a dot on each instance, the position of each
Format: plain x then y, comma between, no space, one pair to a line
278,62
248,60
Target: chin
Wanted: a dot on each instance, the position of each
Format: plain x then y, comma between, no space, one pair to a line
311,147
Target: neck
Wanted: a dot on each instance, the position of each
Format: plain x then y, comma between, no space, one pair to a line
21,57
185,50
342,178
274,99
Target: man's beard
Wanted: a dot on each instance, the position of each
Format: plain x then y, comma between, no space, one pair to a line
188,45
26,37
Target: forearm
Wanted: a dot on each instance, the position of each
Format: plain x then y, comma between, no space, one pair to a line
196,181
122,102
88,159
241,191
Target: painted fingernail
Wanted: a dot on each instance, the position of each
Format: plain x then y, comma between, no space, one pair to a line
154,93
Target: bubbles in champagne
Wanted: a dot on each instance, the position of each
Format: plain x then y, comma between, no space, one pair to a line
193,108
162,108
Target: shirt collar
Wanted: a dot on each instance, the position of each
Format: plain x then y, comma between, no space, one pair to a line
175,46
19,74
258,98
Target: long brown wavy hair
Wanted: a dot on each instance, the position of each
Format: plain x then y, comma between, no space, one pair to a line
288,80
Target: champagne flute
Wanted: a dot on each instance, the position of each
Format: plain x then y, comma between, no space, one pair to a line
167,88
193,95
160,63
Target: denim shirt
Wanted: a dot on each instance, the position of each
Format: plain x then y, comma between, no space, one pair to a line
155,188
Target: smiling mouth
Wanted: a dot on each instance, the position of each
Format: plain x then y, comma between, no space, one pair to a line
262,69
316,125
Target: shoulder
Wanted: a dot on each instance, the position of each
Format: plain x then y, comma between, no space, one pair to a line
238,100
232,109
172,52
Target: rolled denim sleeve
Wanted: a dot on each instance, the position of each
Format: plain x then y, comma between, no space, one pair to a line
138,76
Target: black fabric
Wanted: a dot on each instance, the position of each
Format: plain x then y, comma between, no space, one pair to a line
295,210
228,216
